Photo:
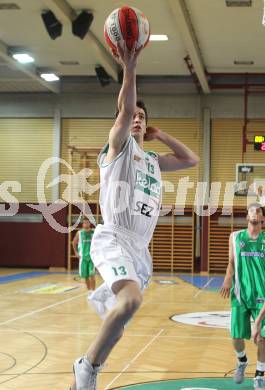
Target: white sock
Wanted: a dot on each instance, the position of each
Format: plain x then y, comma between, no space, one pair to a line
240,354
260,366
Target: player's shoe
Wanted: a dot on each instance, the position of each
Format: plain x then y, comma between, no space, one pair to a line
259,383
85,375
239,374
90,292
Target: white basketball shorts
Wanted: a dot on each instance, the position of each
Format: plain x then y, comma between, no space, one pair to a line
118,254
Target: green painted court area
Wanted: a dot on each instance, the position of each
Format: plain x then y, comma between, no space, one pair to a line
193,384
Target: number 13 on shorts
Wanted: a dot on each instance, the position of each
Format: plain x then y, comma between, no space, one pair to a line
120,271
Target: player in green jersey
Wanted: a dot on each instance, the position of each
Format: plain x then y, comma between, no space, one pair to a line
258,328
81,244
245,283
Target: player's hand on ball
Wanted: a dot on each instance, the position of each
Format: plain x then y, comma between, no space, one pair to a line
127,58
226,287
256,333
152,133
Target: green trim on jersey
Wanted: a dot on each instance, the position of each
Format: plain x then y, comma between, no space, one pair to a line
152,154
249,280
105,150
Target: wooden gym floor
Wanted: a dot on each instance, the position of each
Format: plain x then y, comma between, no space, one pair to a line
42,332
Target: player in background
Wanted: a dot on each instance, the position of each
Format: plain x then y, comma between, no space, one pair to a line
245,282
81,244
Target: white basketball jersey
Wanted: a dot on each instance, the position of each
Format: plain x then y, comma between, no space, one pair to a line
130,189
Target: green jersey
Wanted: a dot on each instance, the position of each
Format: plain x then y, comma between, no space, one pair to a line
249,278
84,244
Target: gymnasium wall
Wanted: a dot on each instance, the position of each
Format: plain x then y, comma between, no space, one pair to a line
226,148
226,151
85,105
94,105
94,133
27,138
27,242
25,144
91,133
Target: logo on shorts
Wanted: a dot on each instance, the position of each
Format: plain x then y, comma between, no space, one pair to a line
215,319
147,184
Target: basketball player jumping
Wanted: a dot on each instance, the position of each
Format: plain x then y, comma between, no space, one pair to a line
245,280
130,201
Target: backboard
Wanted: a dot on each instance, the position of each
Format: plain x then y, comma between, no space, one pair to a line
250,179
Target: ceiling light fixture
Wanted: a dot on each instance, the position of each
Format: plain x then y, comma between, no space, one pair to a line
23,58
49,77
158,37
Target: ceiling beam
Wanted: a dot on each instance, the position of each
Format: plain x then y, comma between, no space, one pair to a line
184,25
66,15
28,69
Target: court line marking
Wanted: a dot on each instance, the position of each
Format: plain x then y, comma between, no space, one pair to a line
140,372
210,303
40,361
202,289
41,309
9,331
134,358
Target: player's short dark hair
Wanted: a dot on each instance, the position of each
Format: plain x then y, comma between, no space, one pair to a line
139,104
85,219
258,206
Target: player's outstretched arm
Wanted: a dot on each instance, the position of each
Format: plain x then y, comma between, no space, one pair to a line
226,287
126,101
182,156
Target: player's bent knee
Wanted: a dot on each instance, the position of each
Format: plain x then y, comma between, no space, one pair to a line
131,305
123,286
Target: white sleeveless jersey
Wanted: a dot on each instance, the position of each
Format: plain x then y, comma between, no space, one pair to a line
130,189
